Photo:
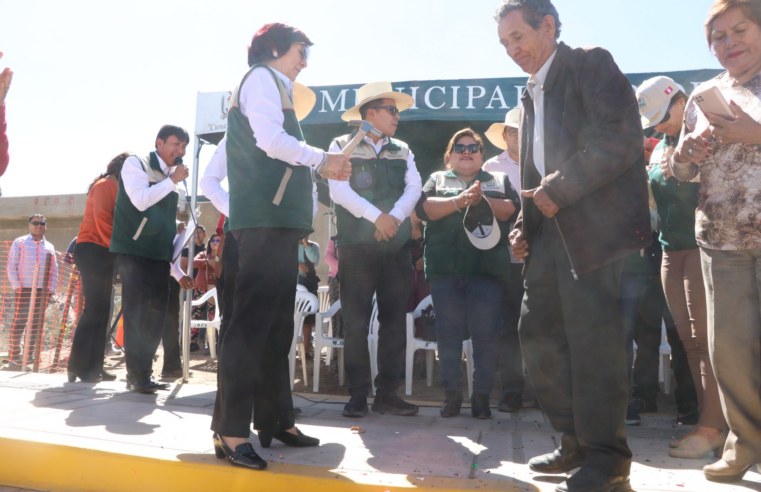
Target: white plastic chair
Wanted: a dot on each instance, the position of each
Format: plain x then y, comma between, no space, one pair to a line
320,341
322,295
415,344
211,326
301,288
306,304
664,368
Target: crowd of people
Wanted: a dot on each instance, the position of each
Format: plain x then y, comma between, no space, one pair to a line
581,239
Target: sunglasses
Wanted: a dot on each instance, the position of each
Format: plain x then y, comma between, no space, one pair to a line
38,223
667,116
305,52
472,148
391,109
214,241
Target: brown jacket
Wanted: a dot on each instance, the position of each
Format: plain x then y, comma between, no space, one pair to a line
594,160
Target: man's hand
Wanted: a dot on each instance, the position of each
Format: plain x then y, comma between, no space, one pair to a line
542,201
180,173
387,225
337,168
419,264
303,268
181,227
187,283
5,82
743,129
519,245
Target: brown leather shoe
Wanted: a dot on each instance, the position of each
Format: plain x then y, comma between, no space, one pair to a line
723,472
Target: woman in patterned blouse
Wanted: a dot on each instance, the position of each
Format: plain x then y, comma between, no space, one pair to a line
727,155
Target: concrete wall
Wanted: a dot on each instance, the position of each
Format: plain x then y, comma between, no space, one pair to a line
64,214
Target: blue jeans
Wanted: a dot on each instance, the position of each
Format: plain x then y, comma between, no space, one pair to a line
474,302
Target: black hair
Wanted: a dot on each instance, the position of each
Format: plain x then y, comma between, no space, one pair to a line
32,217
534,12
208,243
171,130
273,41
114,168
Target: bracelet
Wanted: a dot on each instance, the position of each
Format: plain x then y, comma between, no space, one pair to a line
457,207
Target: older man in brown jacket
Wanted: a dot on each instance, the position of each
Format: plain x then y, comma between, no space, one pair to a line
584,209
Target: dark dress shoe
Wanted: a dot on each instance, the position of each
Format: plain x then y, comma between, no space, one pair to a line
479,406
292,440
510,403
556,462
174,374
146,386
85,377
452,404
107,376
356,408
588,480
391,403
243,456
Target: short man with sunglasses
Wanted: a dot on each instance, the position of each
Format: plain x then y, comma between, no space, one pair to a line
27,253
372,212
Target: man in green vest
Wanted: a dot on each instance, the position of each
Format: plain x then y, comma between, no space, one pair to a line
372,211
143,236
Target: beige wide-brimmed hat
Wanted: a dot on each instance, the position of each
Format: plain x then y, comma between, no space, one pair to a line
304,100
494,133
374,91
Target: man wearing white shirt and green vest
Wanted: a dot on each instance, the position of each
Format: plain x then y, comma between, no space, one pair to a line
143,236
372,212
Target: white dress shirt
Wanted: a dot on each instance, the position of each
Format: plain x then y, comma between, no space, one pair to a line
216,172
535,86
138,188
143,195
260,101
503,163
24,255
342,193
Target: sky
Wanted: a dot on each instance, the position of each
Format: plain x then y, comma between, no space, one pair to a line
97,78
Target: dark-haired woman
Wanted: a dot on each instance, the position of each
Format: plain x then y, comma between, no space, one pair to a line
204,263
96,266
662,105
271,178
466,280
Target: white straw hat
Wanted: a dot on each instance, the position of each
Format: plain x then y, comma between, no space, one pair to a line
304,100
494,133
375,91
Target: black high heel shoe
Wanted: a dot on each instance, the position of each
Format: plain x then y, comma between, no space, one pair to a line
107,376
292,440
243,456
84,377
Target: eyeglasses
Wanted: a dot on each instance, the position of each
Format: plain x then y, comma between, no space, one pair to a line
513,132
38,223
461,148
391,109
305,52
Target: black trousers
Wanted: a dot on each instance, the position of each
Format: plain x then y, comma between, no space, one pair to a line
647,335
685,394
385,271
145,298
96,266
170,338
226,285
22,315
573,343
253,362
510,357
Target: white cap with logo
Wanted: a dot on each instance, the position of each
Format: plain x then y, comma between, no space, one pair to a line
654,97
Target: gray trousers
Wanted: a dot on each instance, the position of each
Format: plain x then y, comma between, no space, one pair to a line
733,281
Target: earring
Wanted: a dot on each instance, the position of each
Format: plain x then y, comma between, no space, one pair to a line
274,53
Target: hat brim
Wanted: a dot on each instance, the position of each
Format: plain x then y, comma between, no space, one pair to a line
494,135
490,241
403,102
304,100
652,118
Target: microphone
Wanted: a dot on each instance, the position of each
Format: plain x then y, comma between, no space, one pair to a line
178,162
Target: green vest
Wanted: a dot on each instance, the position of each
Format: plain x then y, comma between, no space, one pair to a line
379,179
151,233
448,251
265,192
